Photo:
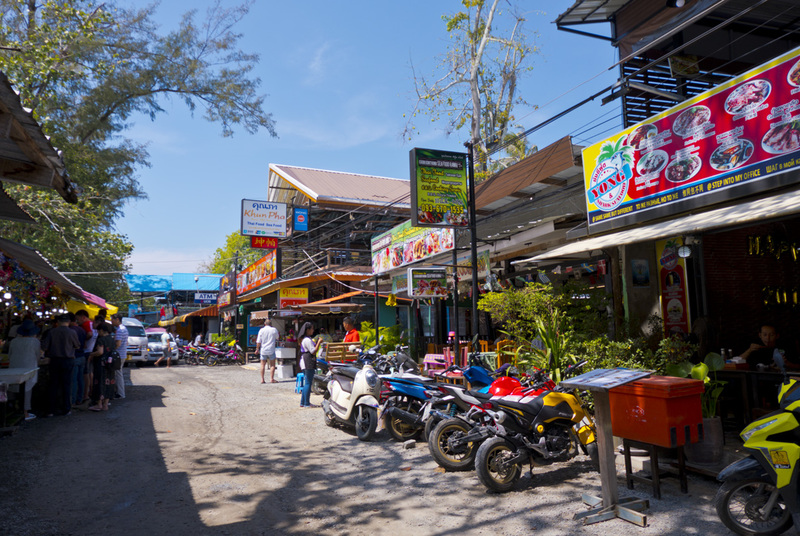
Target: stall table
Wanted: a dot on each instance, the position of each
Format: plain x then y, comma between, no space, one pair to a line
14,376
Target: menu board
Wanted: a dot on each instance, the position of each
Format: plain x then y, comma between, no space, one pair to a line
737,139
438,188
406,244
427,283
604,379
264,270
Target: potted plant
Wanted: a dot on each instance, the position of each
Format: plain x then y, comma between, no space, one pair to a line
710,449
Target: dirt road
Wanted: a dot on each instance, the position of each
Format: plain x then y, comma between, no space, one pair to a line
197,450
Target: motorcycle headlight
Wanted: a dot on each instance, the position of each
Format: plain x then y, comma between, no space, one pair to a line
372,378
746,434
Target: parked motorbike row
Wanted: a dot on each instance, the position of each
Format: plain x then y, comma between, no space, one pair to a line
759,493
212,354
497,426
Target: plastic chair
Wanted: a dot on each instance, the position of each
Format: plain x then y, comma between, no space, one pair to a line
484,346
298,386
505,353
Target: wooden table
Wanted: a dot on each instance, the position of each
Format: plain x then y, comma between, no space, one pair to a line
751,390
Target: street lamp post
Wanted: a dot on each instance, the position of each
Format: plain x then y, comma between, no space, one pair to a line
473,231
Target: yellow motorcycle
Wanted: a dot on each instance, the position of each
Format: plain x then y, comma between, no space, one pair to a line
759,494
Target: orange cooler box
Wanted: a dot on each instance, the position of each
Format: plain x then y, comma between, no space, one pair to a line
661,410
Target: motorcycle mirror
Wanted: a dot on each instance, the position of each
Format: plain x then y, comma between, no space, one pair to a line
777,357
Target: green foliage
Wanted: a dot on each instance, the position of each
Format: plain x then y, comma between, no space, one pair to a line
85,69
701,371
222,260
390,336
517,310
476,82
555,351
603,353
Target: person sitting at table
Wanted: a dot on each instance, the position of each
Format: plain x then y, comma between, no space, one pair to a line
760,352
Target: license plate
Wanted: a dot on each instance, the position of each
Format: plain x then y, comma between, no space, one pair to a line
780,458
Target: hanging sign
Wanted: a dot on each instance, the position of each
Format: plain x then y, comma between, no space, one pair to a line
263,218
427,283
205,297
292,296
439,188
674,287
300,219
262,271
737,139
406,244
263,242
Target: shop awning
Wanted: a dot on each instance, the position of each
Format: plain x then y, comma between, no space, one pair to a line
329,308
33,261
211,310
299,281
749,212
10,210
259,315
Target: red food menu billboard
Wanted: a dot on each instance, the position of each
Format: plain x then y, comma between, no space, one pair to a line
738,139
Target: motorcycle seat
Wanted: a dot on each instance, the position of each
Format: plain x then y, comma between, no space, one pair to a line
345,382
348,371
530,406
479,395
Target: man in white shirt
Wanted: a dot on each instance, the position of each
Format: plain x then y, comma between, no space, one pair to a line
166,343
265,347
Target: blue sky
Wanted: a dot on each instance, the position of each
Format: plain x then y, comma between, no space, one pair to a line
338,79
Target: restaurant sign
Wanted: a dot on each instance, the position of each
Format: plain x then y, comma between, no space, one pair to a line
292,296
739,138
264,270
438,188
464,263
427,283
674,287
263,218
406,244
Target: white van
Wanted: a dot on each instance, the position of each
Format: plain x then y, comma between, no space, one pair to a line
137,340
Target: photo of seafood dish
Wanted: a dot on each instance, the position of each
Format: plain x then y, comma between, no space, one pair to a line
782,138
447,239
432,243
397,256
652,163
640,134
747,96
683,169
731,155
431,288
794,75
419,249
690,120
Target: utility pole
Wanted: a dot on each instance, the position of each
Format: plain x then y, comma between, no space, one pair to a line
473,231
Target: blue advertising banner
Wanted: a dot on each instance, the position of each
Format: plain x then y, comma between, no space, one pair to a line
301,219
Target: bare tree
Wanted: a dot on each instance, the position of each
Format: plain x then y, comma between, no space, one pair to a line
477,77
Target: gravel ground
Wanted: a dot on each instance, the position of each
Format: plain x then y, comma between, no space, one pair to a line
197,450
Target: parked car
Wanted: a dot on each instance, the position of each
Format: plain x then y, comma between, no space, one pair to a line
155,348
137,340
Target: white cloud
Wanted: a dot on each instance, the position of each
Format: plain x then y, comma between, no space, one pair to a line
145,261
318,64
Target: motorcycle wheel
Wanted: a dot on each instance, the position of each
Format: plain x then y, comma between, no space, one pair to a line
366,422
738,505
211,361
316,387
487,465
328,417
460,459
398,429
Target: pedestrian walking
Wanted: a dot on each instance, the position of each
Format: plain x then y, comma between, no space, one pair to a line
307,362
266,341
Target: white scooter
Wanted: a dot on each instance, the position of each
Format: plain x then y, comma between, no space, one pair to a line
352,398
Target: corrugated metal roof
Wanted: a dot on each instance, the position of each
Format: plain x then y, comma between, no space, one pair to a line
205,282
336,187
26,155
588,11
528,176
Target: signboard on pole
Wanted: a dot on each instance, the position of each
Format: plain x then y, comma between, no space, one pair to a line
737,139
300,219
205,297
292,296
673,285
263,218
427,283
264,270
439,188
263,242
406,244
